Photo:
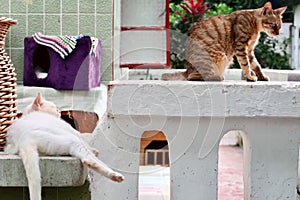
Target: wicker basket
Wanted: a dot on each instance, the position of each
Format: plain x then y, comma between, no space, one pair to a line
8,95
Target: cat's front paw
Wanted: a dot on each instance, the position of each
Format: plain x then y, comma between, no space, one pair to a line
251,78
115,176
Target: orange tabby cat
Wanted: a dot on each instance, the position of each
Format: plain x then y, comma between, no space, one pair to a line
215,40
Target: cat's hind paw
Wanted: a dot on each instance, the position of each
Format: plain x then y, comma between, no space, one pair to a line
264,78
117,177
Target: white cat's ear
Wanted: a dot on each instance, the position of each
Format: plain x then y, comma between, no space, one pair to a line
281,10
37,102
267,9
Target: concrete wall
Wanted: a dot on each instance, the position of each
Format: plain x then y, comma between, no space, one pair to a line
267,113
54,17
295,39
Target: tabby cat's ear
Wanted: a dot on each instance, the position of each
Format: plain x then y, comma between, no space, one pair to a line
281,10
37,102
267,9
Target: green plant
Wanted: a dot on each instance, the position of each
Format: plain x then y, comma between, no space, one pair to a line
272,54
186,14
217,9
182,17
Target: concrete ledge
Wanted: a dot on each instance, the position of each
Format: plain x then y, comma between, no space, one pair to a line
230,74
207,99
56,171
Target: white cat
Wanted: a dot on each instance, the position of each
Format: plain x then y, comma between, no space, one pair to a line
40,131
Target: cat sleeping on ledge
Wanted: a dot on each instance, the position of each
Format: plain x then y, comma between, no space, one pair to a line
214,41
40,131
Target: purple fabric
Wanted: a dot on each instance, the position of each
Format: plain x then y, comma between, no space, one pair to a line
78,71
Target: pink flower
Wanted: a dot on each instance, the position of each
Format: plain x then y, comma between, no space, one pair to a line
194,7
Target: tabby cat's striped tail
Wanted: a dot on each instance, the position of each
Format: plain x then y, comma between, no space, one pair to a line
180,76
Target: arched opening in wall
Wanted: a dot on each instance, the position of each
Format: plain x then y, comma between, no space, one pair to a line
230,167
154,176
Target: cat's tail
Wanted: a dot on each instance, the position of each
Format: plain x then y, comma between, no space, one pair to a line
180,76
89,159
30,159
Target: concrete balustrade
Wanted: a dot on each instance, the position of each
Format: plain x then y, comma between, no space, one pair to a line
194,117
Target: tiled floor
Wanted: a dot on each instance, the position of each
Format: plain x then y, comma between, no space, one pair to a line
155,184
231,186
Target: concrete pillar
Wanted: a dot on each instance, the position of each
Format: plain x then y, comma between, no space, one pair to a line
194,116
271,158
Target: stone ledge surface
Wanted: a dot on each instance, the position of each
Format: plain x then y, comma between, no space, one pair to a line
56,171
207,99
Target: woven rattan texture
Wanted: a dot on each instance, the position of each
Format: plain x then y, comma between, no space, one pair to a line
8,83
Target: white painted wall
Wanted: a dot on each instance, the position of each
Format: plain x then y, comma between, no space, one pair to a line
143,47
118,73
143,13
285,33
295,39
147,42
